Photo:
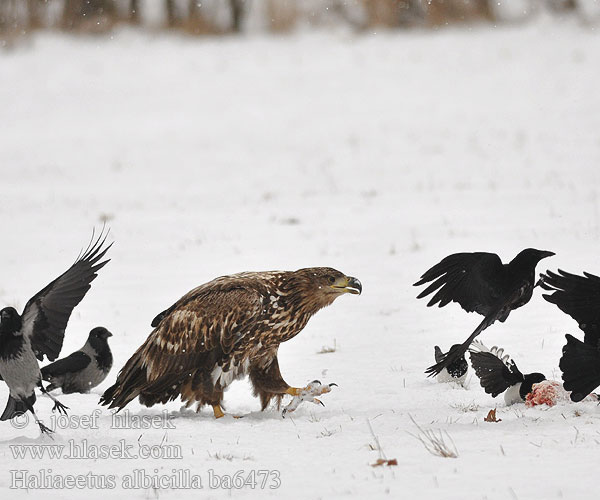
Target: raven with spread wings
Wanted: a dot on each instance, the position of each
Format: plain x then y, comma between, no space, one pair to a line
39,331
223,330
579,297
480,283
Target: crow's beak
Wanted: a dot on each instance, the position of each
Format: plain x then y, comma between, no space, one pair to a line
348,284
546,253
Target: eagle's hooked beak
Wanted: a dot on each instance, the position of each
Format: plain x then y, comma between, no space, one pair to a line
347,284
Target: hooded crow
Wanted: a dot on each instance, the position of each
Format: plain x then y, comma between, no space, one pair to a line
40,330
579,297
456,371
499,374
479,282
84,369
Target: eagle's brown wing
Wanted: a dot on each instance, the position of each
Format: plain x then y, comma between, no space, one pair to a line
207,319
215,319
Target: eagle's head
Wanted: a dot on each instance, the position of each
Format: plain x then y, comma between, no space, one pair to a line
322,285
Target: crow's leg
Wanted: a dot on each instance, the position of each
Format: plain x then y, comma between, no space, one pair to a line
540,282
501,312
62,409
453,354
43,428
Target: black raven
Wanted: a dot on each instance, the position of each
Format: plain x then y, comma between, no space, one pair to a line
40,331
579,297
84,369
498,373
456,371
479,282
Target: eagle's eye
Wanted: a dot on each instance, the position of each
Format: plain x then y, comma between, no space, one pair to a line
331,279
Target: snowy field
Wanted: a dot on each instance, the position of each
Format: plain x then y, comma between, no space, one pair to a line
375,154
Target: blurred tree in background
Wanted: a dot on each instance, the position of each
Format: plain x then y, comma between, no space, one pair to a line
211,17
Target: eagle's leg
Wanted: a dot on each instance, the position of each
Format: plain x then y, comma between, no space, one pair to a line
62,409
268,383
315,388
202,390
218,411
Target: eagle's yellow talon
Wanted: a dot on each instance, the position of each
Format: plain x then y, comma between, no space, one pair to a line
218,412
294,391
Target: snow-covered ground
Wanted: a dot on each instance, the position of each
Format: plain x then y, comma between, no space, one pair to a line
375,154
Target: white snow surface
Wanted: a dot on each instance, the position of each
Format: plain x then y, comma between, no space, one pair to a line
377,154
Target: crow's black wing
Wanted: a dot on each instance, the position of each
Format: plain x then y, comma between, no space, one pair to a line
71,364
46,314
580,366
474,280
577,296
494,376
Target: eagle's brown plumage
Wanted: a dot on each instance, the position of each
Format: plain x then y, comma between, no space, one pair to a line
223,330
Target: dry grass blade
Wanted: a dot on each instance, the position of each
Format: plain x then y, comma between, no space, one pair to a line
435,442
382,460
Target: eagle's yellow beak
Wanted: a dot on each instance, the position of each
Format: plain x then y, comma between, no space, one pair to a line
347,284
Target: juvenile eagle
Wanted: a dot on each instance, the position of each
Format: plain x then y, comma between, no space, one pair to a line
222,330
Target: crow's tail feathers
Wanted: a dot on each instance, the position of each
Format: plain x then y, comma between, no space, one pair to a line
456,351
16,407
580,365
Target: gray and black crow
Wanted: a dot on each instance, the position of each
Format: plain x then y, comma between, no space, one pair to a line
40,330
499,374
84,369
579,297
456,371
480,282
